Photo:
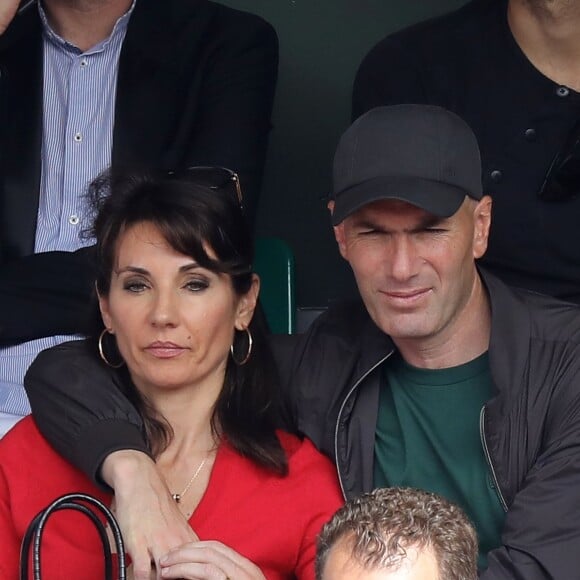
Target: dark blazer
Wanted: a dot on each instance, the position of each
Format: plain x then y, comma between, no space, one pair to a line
195,87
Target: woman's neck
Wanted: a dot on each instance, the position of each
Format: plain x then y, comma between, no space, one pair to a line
187,462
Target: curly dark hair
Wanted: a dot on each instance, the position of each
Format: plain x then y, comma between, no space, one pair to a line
192,216
378,527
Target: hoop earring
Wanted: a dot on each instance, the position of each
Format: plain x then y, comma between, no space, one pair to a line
102,352
247,357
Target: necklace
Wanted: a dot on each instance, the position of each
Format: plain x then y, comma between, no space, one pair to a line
177,496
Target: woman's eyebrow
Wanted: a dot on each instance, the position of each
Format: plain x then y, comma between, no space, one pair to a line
144,271
132,270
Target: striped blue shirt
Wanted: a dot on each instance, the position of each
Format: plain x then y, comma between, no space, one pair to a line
78,115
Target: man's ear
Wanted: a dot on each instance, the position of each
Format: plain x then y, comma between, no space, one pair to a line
482,224
338,231
247,304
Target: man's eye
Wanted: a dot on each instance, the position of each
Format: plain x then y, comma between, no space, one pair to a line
197,285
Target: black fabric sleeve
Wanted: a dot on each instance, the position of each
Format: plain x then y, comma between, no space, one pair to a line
79,407
541,533
46,294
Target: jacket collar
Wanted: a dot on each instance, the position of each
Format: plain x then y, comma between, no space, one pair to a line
374,347
510,334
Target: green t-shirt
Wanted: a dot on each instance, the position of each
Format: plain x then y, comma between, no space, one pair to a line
428,437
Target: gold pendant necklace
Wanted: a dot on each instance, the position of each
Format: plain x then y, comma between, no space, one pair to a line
177,496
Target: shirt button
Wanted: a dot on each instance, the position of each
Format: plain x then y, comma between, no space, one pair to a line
84,62
78,137
530,134
562,91
73,220
496,175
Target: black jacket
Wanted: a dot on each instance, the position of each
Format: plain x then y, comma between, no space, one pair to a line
530,429
195,86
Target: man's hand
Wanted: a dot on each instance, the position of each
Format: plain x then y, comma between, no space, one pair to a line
7,11
150,520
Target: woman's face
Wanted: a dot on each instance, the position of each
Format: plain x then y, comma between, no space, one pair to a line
173,320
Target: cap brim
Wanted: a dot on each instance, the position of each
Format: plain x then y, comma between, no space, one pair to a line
435,197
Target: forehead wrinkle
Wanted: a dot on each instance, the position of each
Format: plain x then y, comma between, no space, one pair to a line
426,220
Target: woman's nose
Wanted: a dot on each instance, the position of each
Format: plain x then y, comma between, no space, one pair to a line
164,311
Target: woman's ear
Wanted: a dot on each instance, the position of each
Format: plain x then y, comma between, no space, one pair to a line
246,304
104,308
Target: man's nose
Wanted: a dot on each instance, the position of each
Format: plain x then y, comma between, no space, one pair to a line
402,258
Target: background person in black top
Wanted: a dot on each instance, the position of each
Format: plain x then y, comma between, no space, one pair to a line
511,69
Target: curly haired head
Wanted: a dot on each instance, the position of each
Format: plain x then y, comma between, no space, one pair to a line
379,527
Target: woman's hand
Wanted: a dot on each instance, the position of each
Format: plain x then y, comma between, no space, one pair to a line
208,561
131,574
150,520
7,11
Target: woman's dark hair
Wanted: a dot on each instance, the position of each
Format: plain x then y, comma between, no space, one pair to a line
190,215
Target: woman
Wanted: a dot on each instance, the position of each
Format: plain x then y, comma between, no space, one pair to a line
177,297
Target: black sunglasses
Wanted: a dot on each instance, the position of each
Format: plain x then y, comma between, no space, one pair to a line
216,178
562,181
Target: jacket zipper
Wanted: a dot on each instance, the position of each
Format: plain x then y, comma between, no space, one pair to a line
354,387
488,459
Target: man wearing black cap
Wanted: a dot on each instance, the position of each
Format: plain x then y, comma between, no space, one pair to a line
444,379
511,69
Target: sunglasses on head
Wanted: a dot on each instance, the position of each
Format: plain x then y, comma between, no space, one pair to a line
562,181
216,178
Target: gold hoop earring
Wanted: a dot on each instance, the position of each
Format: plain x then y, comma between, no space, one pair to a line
247,357
102,352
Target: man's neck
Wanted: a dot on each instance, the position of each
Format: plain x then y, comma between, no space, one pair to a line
84,23
465,338
547,33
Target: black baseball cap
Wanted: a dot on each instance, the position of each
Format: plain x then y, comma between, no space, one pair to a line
421,154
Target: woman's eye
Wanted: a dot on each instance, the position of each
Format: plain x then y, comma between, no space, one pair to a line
134,286
197,285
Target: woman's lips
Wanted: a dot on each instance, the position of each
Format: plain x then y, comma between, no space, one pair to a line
164,349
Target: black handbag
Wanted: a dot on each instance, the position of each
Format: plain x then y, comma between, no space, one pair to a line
87,505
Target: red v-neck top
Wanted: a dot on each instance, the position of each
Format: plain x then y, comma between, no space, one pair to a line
271,520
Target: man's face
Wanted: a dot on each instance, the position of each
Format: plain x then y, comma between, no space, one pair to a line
416,565
415,272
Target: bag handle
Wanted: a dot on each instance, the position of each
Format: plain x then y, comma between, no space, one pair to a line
78,502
